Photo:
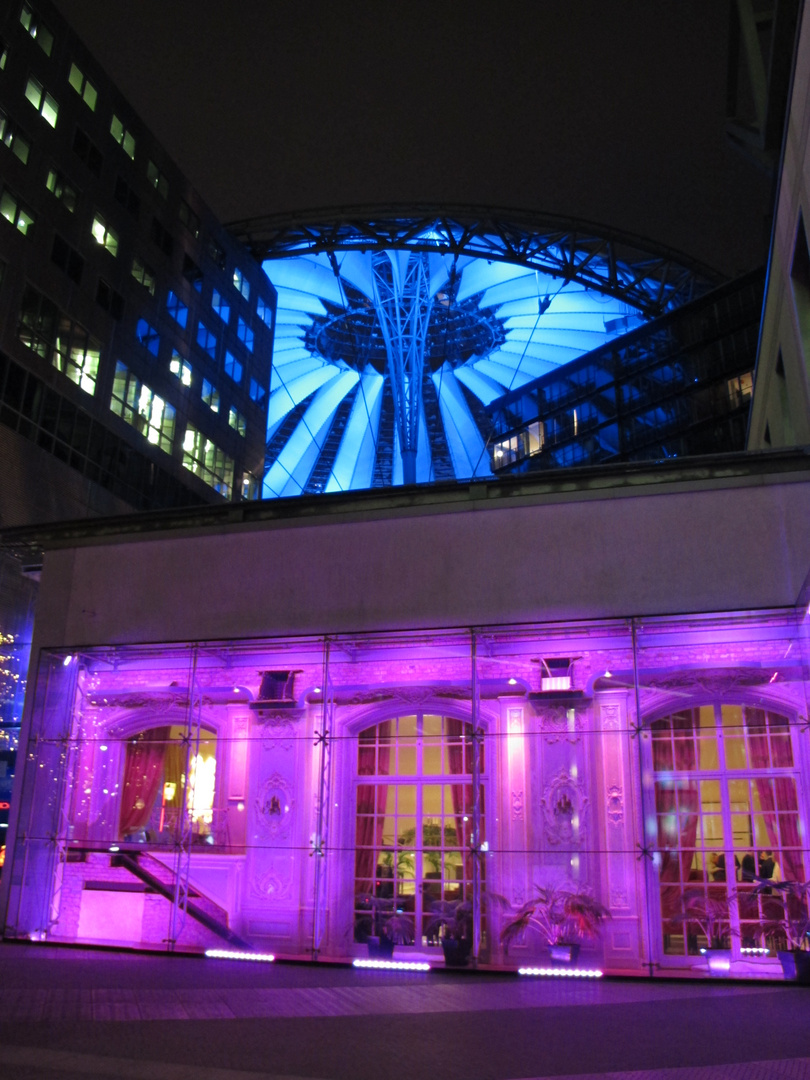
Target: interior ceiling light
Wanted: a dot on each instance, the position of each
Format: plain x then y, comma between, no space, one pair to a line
393,337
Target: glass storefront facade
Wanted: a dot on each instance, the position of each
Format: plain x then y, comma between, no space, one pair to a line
631,791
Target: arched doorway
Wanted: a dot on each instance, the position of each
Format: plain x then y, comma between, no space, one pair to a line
728,818
415,811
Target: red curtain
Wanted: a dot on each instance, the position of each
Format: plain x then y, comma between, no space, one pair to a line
677,804
143,769
462,794
776,796
371,801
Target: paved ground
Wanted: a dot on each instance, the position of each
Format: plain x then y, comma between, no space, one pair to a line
78,1014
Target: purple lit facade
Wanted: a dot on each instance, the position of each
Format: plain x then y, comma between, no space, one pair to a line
369,715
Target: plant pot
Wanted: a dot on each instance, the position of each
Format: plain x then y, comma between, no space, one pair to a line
563,952
380,948
456,951
718,960
796,966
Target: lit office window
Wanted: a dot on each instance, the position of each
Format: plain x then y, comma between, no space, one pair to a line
202,457
3,54
61,189
157,180
42,101
245,334
251,486
241,284
147,336
11,137
143,275
233,367
124,138
257,391
103,235
206,340
220,306
210,396
83,87
36,28
180,368
54,336
265,312
141,407
177,309
16,213
236,421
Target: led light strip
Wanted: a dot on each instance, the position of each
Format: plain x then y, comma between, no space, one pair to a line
751,951
580,973
226,954
392,965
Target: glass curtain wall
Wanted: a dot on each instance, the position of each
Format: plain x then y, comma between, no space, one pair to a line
625,796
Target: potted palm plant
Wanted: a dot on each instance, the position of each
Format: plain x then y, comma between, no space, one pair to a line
709,915
452,926
564,916
786,919
381,925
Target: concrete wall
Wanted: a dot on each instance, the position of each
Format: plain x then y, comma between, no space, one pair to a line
702,548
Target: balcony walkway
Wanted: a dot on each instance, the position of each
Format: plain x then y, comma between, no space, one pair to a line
74,1014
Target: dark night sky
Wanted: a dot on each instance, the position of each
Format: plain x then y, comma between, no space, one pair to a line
605,111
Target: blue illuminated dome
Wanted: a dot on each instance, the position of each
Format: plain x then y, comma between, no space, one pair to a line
394,333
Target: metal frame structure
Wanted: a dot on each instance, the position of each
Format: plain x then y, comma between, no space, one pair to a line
650,277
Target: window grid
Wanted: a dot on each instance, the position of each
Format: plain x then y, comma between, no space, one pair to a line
245,334
207,340
124,138
87,152
147,336
83,87
414,802
36,28
45,104
203,458
237,421
143,275
265,313
54,336
104,235
12,137
177,309
241,284
189,219
157,180
257,391
220,306
210,396
180,368
61,189
726,804
16,212
141,407
232,367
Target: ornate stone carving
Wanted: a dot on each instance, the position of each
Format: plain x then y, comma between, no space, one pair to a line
565,811
557,725
610,715
275,882
618,896
277,727
615,805
714,682
517,806
274,806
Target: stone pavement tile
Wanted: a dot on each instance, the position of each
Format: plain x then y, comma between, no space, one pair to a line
208,1005
788,1069
115,1004
33,1063
162,1005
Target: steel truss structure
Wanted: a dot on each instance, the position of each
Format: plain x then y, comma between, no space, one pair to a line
397,328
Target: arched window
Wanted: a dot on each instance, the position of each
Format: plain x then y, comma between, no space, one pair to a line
727,813
158,799
415,808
